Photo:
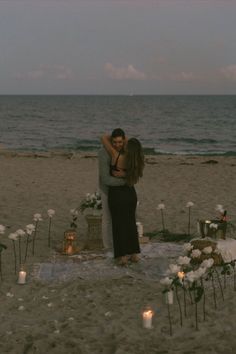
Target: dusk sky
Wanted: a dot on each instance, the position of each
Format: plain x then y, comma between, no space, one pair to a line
117,46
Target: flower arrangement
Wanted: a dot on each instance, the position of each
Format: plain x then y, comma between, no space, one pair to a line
91,201
198,280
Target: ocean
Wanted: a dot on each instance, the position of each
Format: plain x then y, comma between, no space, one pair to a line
199,125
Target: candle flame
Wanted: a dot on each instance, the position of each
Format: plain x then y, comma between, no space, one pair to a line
181,275
147,314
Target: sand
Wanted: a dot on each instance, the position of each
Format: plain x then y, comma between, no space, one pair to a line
86,304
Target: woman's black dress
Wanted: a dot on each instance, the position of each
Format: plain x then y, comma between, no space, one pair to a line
122,201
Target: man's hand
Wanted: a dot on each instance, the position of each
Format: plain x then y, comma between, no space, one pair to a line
119,173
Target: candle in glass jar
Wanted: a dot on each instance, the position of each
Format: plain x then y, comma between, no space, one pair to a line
147,319
22,277
69,249
139,228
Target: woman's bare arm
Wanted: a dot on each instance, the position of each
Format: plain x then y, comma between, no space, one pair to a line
106,142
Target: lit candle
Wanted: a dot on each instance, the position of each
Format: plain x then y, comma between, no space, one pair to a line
206,227
139,228
181,275
169,297
22,277
147,319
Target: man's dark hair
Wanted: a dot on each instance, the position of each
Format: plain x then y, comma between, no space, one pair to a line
117,133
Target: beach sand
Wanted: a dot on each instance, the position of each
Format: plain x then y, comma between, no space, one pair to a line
86,304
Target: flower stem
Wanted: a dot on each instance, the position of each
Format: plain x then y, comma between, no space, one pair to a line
224,281
26,247
190,295
1,265
14,251
34,237
234,278
162,220
189,217
49,232
169,317
196,315
185,307
219,282
214,290
204,301
19,249
180,309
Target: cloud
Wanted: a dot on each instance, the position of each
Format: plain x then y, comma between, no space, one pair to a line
229,72
183,76
59,72
125,73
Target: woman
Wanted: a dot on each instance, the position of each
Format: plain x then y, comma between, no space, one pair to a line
122,200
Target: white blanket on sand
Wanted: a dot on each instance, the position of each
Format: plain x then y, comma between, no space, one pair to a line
227,249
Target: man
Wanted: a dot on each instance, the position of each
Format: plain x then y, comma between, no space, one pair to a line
106,180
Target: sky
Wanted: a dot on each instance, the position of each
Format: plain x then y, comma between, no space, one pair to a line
117,47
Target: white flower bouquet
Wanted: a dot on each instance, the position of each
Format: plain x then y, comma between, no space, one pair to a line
91,201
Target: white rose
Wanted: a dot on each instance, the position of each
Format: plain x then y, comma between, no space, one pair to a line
183,260
213,226
13,236
207,263
161,206
207,250
74,212
173,268
189,204
187,247
196,253
200,271
30,229
2,229
37,217
190,276
166,281
51,213
20,232
219,208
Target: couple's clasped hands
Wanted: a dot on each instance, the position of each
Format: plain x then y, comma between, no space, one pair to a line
118,173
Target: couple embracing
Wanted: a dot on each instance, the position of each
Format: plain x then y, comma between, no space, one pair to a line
121,164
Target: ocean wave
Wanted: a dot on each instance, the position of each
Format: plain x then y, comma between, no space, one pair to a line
195,152
189,141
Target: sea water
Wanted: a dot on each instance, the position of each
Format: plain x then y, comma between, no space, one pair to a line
204,125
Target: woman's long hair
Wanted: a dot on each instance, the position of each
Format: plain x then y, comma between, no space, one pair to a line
134,158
